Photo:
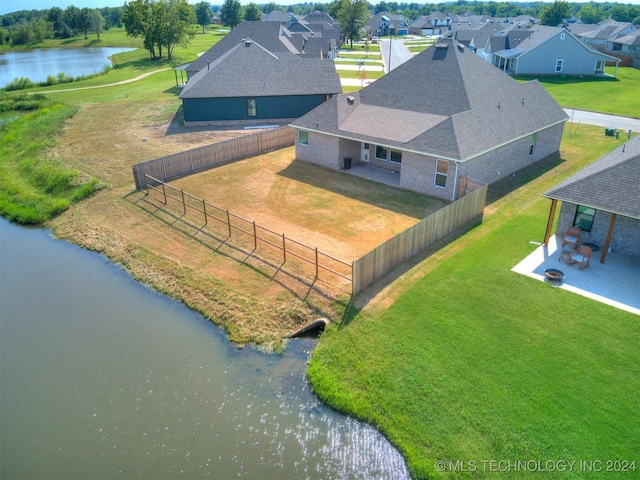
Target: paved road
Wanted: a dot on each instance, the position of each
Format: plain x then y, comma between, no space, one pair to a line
624,124
394,55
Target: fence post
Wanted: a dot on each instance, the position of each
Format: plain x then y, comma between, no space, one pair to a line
255,236
146,182
229,223
204,209
191,160
284,249
316,262
164,169
164,192
184,203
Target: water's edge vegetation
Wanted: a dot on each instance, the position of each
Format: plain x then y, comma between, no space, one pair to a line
33,187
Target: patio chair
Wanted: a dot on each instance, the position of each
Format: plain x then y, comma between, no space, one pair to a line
581,255
572,236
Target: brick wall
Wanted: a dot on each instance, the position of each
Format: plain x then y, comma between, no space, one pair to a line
625,238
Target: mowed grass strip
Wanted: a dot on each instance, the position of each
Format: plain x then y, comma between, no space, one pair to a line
618,96
475,362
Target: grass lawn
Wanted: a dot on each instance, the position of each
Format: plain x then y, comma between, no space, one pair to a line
620,95
465,360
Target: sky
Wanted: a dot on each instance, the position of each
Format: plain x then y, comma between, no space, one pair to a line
8,6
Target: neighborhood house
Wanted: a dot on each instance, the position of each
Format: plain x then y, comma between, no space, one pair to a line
249,84
603,201
443,115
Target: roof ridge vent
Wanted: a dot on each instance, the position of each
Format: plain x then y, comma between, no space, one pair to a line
441,45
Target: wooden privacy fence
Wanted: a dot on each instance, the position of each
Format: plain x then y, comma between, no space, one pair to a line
204,158
413,240
211,214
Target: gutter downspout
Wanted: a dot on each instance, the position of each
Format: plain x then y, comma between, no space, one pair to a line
455,183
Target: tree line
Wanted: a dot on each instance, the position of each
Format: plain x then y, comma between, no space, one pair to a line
163,24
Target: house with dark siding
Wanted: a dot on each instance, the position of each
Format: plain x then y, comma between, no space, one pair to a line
251,85
443,115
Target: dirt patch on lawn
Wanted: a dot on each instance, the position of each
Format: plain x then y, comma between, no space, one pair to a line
253,296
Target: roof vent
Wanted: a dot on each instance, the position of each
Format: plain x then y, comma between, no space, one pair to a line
351,100
461,47
247,42
441,45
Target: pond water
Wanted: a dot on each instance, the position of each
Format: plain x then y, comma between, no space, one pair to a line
103,378
39,63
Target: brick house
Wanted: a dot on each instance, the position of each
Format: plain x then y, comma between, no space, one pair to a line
443,115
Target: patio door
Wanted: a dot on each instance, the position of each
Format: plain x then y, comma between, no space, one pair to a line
364,153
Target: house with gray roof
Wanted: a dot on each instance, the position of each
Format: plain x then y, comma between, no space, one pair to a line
603,200
599,34
543,50
443,115
270,35
248,84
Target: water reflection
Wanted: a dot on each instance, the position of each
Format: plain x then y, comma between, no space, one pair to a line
38,63
102,378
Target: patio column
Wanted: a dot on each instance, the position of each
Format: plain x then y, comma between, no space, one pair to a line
608,239
552,213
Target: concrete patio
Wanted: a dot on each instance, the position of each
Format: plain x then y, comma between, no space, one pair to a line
616,282
376,174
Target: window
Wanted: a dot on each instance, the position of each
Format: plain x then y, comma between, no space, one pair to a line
441,173
382,153
251,107
396,156
532,145
559,64
584,218
303,137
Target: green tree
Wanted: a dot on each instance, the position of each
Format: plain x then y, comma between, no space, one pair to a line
252,13
556,13
353,14
83,22
203,14
588,14
55,15
270,7
334,8
230,13
179,28
96,20
160,23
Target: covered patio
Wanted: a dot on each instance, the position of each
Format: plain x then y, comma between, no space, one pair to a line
376,174
614,282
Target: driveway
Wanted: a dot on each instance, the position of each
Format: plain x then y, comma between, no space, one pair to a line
394,54
624,124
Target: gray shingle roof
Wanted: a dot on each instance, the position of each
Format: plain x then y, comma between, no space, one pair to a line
249,70
445,102
611,184
271,35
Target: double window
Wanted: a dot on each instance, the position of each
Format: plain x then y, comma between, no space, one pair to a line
388,154
442,168
584,218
